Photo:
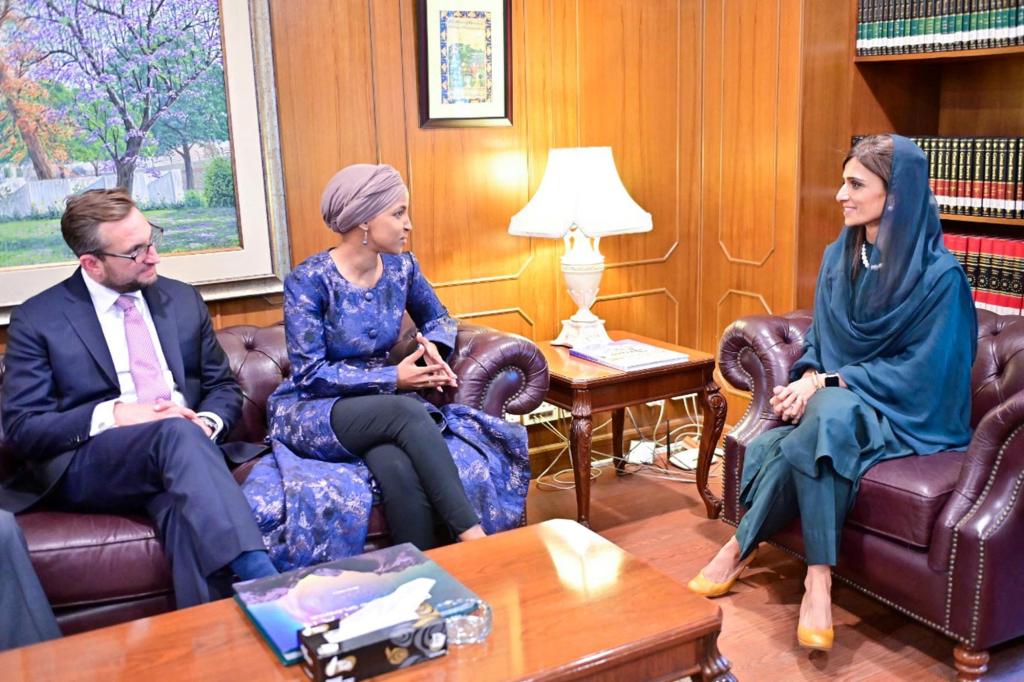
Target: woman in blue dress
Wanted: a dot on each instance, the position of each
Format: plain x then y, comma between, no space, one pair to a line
346,424
885,373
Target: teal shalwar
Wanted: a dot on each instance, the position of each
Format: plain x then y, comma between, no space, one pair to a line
903,338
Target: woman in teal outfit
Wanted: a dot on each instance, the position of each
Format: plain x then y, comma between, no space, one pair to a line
885,373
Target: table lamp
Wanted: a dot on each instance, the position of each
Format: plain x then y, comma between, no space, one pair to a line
581,199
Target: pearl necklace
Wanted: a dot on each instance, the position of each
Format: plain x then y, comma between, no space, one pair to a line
864,258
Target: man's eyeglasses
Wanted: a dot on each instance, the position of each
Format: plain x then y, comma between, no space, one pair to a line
156,237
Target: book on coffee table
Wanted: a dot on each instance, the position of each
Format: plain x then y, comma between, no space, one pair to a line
628,355
282,605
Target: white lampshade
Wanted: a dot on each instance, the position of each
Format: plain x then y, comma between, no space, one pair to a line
580,187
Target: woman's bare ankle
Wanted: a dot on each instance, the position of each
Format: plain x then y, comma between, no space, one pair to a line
724,562
474,533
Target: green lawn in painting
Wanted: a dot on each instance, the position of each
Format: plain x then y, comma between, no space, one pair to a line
38,242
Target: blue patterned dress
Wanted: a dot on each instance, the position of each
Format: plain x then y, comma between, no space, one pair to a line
311,497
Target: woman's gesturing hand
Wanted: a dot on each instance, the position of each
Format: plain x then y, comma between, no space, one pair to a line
789,402
412,377
434,357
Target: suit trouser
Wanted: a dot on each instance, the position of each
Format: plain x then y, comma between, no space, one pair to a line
781,492
25,615
406,453
178,476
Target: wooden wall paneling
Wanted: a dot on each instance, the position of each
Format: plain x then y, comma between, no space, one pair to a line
389,27
641,98
325,94
825,130
751,128
466,183
548,106
983,97
751,95
257,310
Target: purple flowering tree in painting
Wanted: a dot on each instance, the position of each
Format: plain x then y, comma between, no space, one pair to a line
127,61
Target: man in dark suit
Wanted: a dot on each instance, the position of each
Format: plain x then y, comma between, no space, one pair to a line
116,394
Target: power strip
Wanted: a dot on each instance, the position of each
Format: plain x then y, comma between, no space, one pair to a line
687,458
643,451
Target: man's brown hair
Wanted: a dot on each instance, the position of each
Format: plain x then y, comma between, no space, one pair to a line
85,212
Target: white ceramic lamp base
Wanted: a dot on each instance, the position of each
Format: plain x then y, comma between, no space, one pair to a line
582,266
581,333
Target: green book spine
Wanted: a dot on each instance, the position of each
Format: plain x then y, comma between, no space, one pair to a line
978,177
933,165
1012,177
1000,191
898,27
1020,178
945,23
928,26
964,174
986,200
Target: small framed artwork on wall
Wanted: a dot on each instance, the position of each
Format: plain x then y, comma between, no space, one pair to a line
463,60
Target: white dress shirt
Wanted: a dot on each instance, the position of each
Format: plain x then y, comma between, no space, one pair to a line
111,320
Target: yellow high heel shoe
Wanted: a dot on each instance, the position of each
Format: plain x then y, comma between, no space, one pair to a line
702,586
813,638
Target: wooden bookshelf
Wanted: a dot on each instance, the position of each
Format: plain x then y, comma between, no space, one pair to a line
985,220
944,55
954,93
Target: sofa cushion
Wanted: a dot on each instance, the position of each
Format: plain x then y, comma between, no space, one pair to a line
901,498
94,558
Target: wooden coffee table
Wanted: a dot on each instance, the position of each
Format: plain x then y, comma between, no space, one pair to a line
567,605
584,387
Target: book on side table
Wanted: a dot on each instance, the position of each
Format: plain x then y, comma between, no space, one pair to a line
362,598
628,355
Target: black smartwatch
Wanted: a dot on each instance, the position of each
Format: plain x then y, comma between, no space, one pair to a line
832,380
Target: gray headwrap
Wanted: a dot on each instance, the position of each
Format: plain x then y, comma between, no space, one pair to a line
358,193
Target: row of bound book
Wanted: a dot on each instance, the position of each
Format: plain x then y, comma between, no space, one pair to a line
995,270
886,27
982,176
976,176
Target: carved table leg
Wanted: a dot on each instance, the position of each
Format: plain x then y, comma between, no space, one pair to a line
579,448
618,421
713,409
970,664
714,667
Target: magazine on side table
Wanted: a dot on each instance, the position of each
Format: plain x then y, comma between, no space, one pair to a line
628,355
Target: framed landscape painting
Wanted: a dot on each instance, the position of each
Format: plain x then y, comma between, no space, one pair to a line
463,58
172,100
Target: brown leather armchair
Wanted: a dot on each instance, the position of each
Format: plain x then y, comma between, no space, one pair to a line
101,569
937,538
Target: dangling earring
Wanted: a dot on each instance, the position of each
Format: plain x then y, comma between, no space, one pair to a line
366,237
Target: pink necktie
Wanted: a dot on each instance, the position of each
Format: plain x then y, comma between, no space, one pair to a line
142,359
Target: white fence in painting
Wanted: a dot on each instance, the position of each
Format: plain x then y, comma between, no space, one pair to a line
20,198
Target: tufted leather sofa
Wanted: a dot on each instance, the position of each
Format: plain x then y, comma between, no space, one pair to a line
100,569
937,538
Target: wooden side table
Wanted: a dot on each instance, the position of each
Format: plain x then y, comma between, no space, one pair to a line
584,387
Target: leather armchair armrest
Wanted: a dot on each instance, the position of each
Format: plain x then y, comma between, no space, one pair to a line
756,354
983,552
497,372
993,465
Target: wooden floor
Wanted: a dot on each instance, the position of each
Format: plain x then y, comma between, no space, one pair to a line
663,522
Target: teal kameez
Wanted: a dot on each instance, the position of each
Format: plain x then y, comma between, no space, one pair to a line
903,341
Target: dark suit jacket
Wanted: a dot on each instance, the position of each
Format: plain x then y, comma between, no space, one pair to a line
59,368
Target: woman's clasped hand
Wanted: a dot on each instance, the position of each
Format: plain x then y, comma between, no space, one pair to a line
435,373
789,402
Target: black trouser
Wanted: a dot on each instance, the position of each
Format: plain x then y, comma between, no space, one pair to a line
178,475
405,452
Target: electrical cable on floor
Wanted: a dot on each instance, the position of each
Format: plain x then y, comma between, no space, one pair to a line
688,433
